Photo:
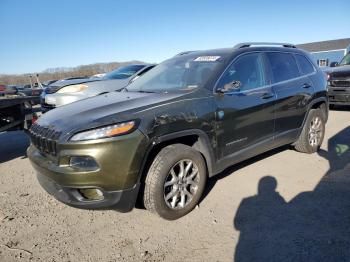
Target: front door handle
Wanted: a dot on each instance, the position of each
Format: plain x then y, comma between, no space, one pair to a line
267,96
306,85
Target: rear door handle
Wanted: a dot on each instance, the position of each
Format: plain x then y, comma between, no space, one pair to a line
306,85
267,96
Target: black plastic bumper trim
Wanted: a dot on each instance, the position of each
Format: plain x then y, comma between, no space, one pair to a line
122,200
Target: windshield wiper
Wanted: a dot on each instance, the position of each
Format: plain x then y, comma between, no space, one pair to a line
143,91
124,89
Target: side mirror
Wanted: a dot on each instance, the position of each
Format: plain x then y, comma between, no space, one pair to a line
231,86
334,64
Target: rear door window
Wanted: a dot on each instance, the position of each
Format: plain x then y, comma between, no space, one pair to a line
283,66
304,64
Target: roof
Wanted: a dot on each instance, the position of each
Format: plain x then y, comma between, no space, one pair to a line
325,45
241,48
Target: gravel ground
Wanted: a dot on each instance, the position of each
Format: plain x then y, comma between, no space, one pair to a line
306,218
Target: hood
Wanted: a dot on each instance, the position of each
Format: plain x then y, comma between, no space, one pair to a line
102,110
339,71
96,85
105,86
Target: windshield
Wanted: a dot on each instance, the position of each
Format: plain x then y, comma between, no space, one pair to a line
179,73
345,60
124,72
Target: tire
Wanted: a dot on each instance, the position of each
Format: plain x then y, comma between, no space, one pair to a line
166,168
312,135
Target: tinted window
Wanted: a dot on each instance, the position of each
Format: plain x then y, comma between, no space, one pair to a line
248,70
283,66
305,66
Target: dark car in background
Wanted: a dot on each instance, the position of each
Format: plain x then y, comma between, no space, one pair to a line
338,77
29,90
46,84
63,92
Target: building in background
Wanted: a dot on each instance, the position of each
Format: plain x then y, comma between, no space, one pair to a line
326,52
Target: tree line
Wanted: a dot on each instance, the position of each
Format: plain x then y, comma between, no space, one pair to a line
63,72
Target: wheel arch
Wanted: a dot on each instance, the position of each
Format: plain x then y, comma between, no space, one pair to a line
321,103
195,138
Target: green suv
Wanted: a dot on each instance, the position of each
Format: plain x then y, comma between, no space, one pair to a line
186,120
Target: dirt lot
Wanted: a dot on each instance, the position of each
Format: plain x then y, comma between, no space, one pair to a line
307,218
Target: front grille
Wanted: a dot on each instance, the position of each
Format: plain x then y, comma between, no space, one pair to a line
340,83
44,139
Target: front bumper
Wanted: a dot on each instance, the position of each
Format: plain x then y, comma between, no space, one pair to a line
119,160
121,200
339,95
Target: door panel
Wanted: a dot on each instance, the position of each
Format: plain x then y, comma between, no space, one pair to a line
248,118
292,90
245,114
292,99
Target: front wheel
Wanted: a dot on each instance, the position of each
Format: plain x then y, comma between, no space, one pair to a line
312,135
175,181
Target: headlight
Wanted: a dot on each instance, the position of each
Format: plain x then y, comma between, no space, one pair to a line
104,132
72,89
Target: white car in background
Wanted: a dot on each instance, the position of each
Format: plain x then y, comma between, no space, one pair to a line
63,92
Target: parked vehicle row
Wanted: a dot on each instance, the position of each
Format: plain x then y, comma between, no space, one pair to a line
7,90
28,90
186,120
21,90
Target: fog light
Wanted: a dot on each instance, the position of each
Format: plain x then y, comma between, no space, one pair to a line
84,163
92,193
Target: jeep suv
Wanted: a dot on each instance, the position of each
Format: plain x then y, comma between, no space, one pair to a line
188,119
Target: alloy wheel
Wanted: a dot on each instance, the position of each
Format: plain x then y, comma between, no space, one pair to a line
315,131
181,184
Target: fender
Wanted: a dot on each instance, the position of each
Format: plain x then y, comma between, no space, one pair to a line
203,146
311,104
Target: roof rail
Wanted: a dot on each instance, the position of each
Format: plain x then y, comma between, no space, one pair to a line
248,44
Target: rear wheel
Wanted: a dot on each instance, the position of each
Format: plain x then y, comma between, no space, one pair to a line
312,135
175,181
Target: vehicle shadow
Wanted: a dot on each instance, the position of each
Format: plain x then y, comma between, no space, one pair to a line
234,168
12,145
314,226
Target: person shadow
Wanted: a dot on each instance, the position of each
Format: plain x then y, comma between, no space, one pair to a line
313,226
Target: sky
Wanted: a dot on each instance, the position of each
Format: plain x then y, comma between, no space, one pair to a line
41,34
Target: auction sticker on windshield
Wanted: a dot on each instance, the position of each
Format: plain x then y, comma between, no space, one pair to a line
207,58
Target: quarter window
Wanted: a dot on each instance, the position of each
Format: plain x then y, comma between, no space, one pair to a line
247,71
283,66
305,66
